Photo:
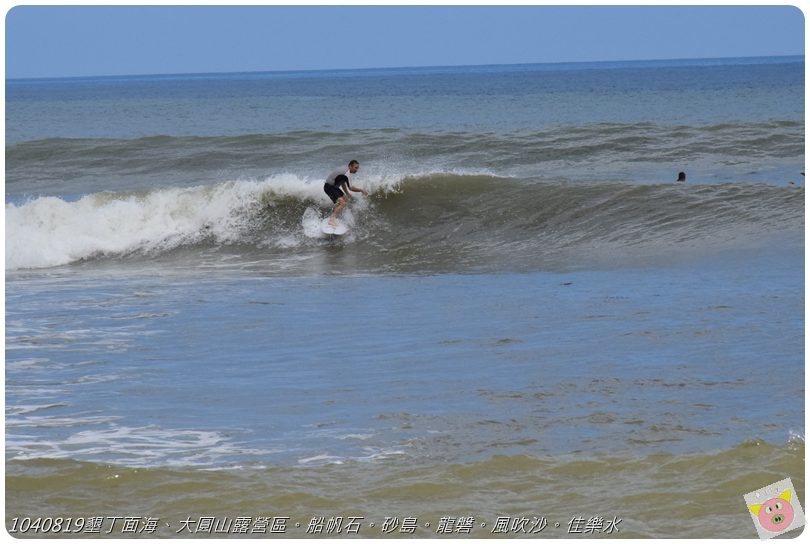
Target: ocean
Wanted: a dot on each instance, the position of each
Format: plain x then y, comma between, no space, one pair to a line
531,329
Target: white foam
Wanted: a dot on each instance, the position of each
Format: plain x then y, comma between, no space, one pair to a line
134,446
23,409
322,459
311,223
50,231
33,363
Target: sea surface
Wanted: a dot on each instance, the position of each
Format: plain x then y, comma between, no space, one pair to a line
530,329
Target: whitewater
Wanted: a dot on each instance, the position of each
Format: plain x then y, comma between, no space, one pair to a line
473,215
529,318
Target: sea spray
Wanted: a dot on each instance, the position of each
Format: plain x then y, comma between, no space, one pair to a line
475,216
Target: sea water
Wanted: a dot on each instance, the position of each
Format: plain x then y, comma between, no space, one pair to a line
528,320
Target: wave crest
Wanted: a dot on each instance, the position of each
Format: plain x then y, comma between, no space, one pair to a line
474,217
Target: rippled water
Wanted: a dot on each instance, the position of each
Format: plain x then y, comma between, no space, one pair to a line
528,318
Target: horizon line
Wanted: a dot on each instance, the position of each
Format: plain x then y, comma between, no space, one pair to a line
407,67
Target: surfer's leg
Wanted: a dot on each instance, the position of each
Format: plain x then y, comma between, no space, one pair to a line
337,210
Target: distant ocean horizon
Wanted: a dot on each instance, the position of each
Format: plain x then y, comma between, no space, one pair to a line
529,318
580,64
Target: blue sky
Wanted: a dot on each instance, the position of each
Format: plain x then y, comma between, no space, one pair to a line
64,41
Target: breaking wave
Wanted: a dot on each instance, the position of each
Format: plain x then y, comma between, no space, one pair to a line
464,218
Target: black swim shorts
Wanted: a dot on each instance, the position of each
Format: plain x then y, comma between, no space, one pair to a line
332,192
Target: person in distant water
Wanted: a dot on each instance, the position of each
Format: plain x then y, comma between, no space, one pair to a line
332,187
681,176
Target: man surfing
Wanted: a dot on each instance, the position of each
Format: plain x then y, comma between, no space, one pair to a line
332,187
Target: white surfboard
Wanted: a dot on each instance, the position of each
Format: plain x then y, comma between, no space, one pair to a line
338,228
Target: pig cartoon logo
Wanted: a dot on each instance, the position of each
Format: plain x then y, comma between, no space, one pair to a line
775,514
775,509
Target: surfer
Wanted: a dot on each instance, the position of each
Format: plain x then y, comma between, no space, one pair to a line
332,187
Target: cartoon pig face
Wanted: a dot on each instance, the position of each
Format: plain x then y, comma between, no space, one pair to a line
775,515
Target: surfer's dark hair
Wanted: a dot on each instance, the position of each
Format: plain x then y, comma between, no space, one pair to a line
351,162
